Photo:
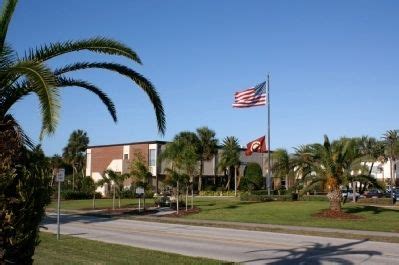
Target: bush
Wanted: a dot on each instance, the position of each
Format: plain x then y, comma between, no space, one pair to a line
264,198
78,195
218,193
379,201
253,178
313,198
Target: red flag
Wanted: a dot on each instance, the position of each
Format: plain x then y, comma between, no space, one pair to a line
257,146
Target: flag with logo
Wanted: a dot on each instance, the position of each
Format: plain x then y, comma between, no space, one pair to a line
256,146
251,97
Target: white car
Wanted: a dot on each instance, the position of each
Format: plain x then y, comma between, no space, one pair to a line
349,194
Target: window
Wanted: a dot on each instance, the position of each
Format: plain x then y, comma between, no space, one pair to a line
125,156
152,158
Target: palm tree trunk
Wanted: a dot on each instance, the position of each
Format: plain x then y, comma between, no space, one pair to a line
334,197
200,175
186,197
192,196
235,181
144,200
177,197
119,200
73,178
113,197
94,200
354,191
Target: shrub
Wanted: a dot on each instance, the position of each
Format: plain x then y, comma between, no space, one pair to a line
253,178
378,201
313,198
78,195
264,198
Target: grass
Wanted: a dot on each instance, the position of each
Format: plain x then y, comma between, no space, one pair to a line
72,250
297,213
100,204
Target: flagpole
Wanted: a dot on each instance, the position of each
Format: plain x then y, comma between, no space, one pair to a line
268,136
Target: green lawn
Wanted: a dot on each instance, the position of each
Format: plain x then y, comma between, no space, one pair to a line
295,213
72,250
100,204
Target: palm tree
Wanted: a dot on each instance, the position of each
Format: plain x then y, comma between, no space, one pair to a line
21,76
140,173
175,178
75,152
391,141
331,165
115,181
182,153
230,157
283,166
207,149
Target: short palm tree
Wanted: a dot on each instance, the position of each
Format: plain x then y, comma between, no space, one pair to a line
230,157
331,165
114,180
207,149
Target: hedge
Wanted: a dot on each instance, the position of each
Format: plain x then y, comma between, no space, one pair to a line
78,195
217,193
381,201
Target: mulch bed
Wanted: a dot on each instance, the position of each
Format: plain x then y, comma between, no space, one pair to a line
337,215
183,212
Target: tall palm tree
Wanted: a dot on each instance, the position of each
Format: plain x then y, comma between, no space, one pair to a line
230,158
207,149
391,141
283,166
75,152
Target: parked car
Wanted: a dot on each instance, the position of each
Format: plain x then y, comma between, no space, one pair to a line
348,194
375,193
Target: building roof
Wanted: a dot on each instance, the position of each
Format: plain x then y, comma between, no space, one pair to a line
131,143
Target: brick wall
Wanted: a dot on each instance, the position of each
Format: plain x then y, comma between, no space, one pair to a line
101,157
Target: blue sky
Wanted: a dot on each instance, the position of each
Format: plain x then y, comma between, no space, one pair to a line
333,64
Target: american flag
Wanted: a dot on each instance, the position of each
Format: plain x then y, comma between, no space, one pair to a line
251,97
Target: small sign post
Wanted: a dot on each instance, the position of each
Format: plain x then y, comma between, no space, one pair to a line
140,191
59,177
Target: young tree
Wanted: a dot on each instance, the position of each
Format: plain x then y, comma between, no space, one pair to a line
140,173
114,180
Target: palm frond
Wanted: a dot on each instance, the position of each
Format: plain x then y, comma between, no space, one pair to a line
12,124
41,81
140,80
69,82
5,18
97,44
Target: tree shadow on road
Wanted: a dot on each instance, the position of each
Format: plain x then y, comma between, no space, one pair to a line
315,253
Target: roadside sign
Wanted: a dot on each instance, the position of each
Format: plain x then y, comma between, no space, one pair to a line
139,190
60,177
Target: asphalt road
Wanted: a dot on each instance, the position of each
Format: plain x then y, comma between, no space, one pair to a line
250,247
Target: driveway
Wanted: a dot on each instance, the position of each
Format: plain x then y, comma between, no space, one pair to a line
250,247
